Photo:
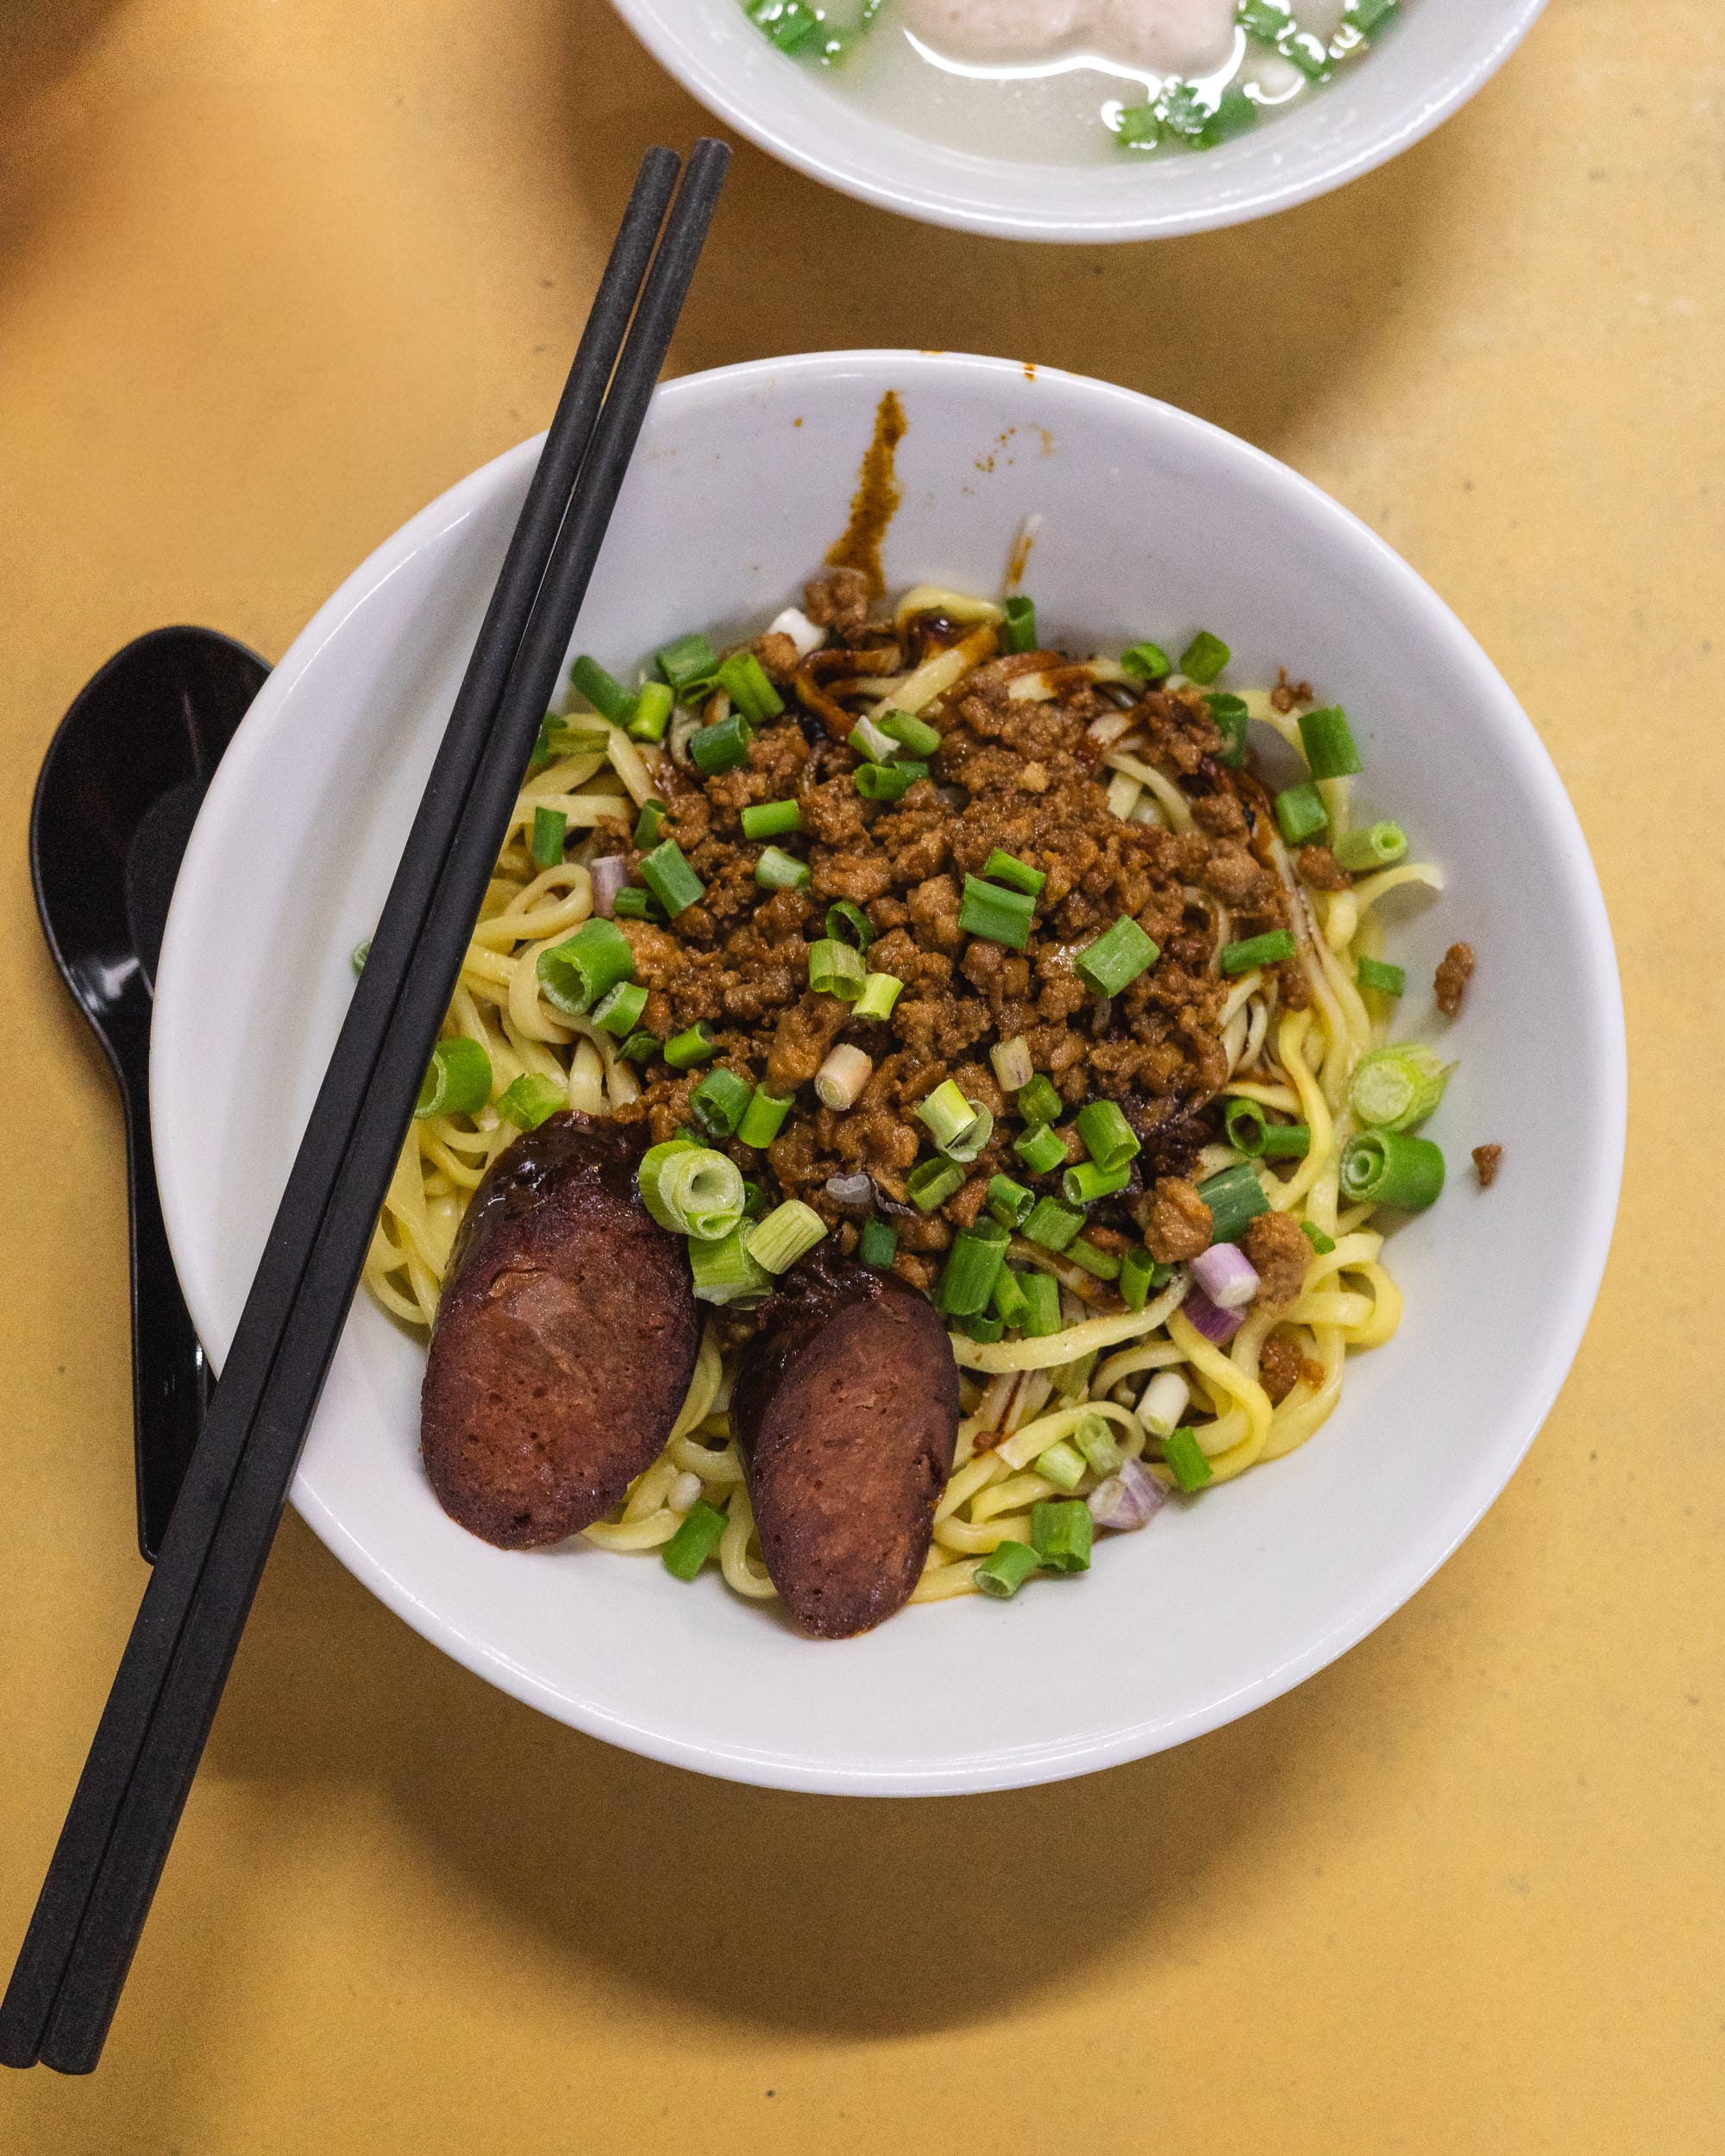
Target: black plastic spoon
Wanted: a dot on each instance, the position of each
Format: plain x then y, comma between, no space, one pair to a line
119,789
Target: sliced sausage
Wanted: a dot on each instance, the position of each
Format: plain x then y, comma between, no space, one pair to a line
565,1339
845,1410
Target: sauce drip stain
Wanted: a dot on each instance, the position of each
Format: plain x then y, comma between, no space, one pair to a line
876,499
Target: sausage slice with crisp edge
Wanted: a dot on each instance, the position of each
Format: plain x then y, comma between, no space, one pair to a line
565,1340
845,1410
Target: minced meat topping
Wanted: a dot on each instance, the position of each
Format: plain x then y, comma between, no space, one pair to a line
1019,774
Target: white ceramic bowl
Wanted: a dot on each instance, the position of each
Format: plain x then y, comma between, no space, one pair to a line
1441,54
1153,524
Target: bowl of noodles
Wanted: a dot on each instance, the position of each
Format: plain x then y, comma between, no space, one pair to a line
1090,641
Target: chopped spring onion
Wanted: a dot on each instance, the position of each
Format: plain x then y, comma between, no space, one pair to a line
1367,15
1394,1088
762,1119
529,1100
361,952
931,1182
1388,980
668,876
881,991
560,737
1234,1197
887,781
1010,1307
767,819
1237,114
1204,658
723,1270
1060,1533
632,903
575,975
1004,1570
550,827
652,713
1089,1179
607,695
1117,957
1322,1244
836,969
1246,1124
1162,1402
948,1114
967,1279
879,1245
986,1329
743,679
1010,1202
909,732
1375,846
619,1010
1052,1224
1041,1292
458,1081
688,663
1300,811
870,743
839,1082
1041,1149
777,870
1263,20
1017,631
687,1049
848,923
997,915
1231,716
1327,740
722,746
1016,874
640,1048
1185,1458
718,1101
1137,1276
1038,1100
1390,1168
1109,1139
1063,1464
1012,1065
1102,1264
1150,662
789,1231
691,1190
1097,1443
1287,1141
649,822
1258,951
695,1541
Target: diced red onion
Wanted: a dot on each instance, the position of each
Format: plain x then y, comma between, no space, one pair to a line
851,1190
1227,1275
609,876
1218,1325
1127,1500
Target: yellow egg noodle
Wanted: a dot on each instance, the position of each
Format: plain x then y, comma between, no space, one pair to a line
1019,1396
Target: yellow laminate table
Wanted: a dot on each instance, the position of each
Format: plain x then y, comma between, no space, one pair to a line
273,273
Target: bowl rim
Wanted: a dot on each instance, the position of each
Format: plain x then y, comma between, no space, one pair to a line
891,185
1382,1590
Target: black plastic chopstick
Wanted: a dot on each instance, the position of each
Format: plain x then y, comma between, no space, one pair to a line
262,1446
189,1696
